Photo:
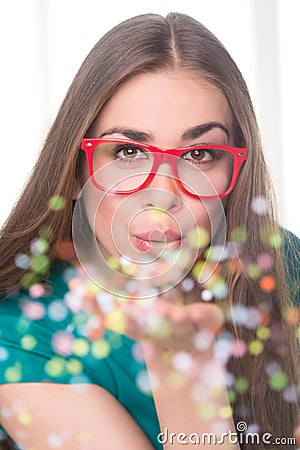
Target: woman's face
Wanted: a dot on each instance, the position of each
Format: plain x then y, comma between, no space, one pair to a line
166,110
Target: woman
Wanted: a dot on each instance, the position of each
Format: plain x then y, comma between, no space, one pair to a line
149,85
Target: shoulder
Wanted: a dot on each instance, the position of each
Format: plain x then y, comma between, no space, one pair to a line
291,257
43,337
291,243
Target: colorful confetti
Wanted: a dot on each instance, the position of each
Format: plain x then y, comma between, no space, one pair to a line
22,261
83,335
267,283
260,205
56,203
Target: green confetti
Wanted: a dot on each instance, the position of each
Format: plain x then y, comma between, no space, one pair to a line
241,385
39,263
23,325
254,271
41,246
278,381
114,339
56,203
28,279
45,232
239,235
275,240
231,396
80,318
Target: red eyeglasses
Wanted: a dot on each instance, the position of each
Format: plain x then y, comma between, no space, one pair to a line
123,166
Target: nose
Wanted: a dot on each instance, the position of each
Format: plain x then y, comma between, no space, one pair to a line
163,192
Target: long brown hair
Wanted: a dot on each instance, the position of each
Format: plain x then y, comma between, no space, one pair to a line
150,43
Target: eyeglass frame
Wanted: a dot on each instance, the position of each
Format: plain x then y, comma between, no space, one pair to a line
161,156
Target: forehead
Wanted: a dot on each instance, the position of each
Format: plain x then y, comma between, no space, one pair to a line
165,102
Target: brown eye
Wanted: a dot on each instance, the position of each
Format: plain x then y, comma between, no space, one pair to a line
128,151
197,155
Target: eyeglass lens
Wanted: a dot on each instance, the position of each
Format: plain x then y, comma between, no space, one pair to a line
125,167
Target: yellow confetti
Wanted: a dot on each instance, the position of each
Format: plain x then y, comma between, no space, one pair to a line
129,270
24,418
198,237
54,367
263,333
14,374
113,262
175,380
255,347
156,214
207,411
100,349
84,438
116,321
225,412
74,367
28,342
80,347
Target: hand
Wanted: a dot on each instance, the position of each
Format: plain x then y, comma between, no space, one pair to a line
171,326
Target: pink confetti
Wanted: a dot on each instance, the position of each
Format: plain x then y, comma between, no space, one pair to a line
37,290
265,261
62,343
33,310
239,348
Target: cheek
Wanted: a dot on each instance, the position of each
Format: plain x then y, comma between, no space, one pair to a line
210,215
105,216
98,209
200,212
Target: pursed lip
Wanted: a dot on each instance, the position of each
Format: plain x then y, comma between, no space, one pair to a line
157,238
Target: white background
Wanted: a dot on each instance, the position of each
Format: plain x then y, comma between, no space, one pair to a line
43,42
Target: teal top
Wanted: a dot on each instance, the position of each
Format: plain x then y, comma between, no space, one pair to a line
44,339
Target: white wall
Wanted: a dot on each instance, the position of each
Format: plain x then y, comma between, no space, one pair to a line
43,42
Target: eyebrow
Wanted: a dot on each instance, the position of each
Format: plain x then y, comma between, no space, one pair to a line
190,133
198,130
130,133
